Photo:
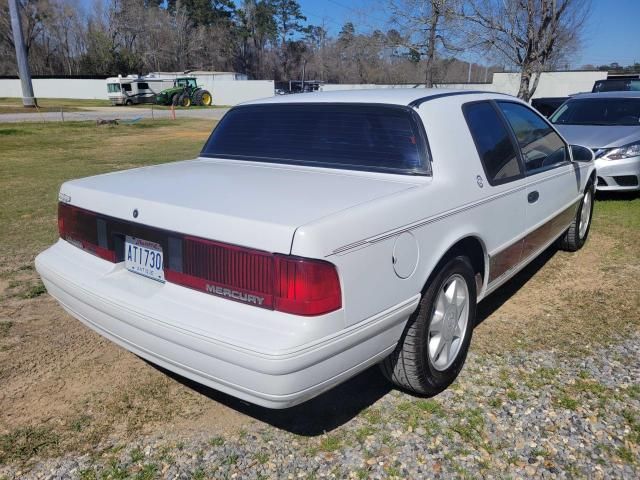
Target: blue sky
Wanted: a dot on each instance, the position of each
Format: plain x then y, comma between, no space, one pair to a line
611,33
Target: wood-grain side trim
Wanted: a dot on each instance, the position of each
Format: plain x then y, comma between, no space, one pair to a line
510,257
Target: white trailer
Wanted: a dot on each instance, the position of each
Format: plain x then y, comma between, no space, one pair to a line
134,89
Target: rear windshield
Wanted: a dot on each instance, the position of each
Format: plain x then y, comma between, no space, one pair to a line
359,137
599,111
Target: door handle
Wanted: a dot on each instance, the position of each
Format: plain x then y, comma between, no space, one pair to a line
533,196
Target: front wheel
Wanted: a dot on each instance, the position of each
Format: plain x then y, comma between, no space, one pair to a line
435,342
206,99
576,235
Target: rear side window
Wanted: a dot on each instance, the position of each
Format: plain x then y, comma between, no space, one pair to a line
126,87
354,136
143,86
497,152
541,146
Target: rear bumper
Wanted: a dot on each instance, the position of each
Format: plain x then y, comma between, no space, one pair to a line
268,358
618,175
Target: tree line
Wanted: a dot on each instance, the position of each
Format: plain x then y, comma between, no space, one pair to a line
422,41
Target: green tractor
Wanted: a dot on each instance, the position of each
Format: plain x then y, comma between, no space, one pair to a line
184,93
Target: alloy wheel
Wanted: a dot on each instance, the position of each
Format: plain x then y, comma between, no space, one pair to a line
449,322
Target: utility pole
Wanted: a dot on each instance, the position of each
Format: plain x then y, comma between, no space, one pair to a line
28,99
304,66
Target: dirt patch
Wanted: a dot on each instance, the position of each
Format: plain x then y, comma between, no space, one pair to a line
563,301
198,132
58,375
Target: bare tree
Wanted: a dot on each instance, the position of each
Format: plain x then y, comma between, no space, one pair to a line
426,27
532,35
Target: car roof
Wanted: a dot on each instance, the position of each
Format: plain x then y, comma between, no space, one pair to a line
620,94
391,96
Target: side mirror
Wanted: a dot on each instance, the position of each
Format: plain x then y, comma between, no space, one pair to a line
581,154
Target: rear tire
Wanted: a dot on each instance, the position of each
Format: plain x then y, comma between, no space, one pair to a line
576,235
184,100
197,98
419,363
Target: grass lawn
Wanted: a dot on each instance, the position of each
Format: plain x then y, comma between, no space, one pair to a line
14,105
37,158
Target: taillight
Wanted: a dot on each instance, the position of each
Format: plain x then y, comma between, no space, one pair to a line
80,227
305,286
295,285
300,286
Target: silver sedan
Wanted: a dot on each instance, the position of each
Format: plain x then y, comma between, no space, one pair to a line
608,123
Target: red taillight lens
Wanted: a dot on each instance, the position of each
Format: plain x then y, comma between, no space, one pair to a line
306,287
300,286
236,273
80,227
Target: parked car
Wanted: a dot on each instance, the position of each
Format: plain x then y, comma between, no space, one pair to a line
609,124
617,84
547,105
283,260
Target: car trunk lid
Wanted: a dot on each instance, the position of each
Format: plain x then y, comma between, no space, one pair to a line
243,203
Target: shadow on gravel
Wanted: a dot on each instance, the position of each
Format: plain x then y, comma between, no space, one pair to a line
342,403
321,414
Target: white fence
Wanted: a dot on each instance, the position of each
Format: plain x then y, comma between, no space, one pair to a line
232,92
552,84
57,88
224,92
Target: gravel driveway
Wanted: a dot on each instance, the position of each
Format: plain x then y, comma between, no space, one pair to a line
524,415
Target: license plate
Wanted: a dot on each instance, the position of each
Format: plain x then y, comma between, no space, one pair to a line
144,258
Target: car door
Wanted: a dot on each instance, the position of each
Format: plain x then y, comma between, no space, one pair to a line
552,181
505,206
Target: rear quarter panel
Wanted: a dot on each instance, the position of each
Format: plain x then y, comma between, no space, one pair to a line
438,212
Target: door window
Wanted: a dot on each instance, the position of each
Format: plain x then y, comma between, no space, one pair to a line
541,146
493,142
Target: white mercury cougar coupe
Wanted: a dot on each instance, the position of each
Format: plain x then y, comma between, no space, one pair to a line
318,234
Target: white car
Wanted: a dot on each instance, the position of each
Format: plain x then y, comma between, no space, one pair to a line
318,235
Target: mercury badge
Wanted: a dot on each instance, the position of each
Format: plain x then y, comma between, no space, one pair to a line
135,213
